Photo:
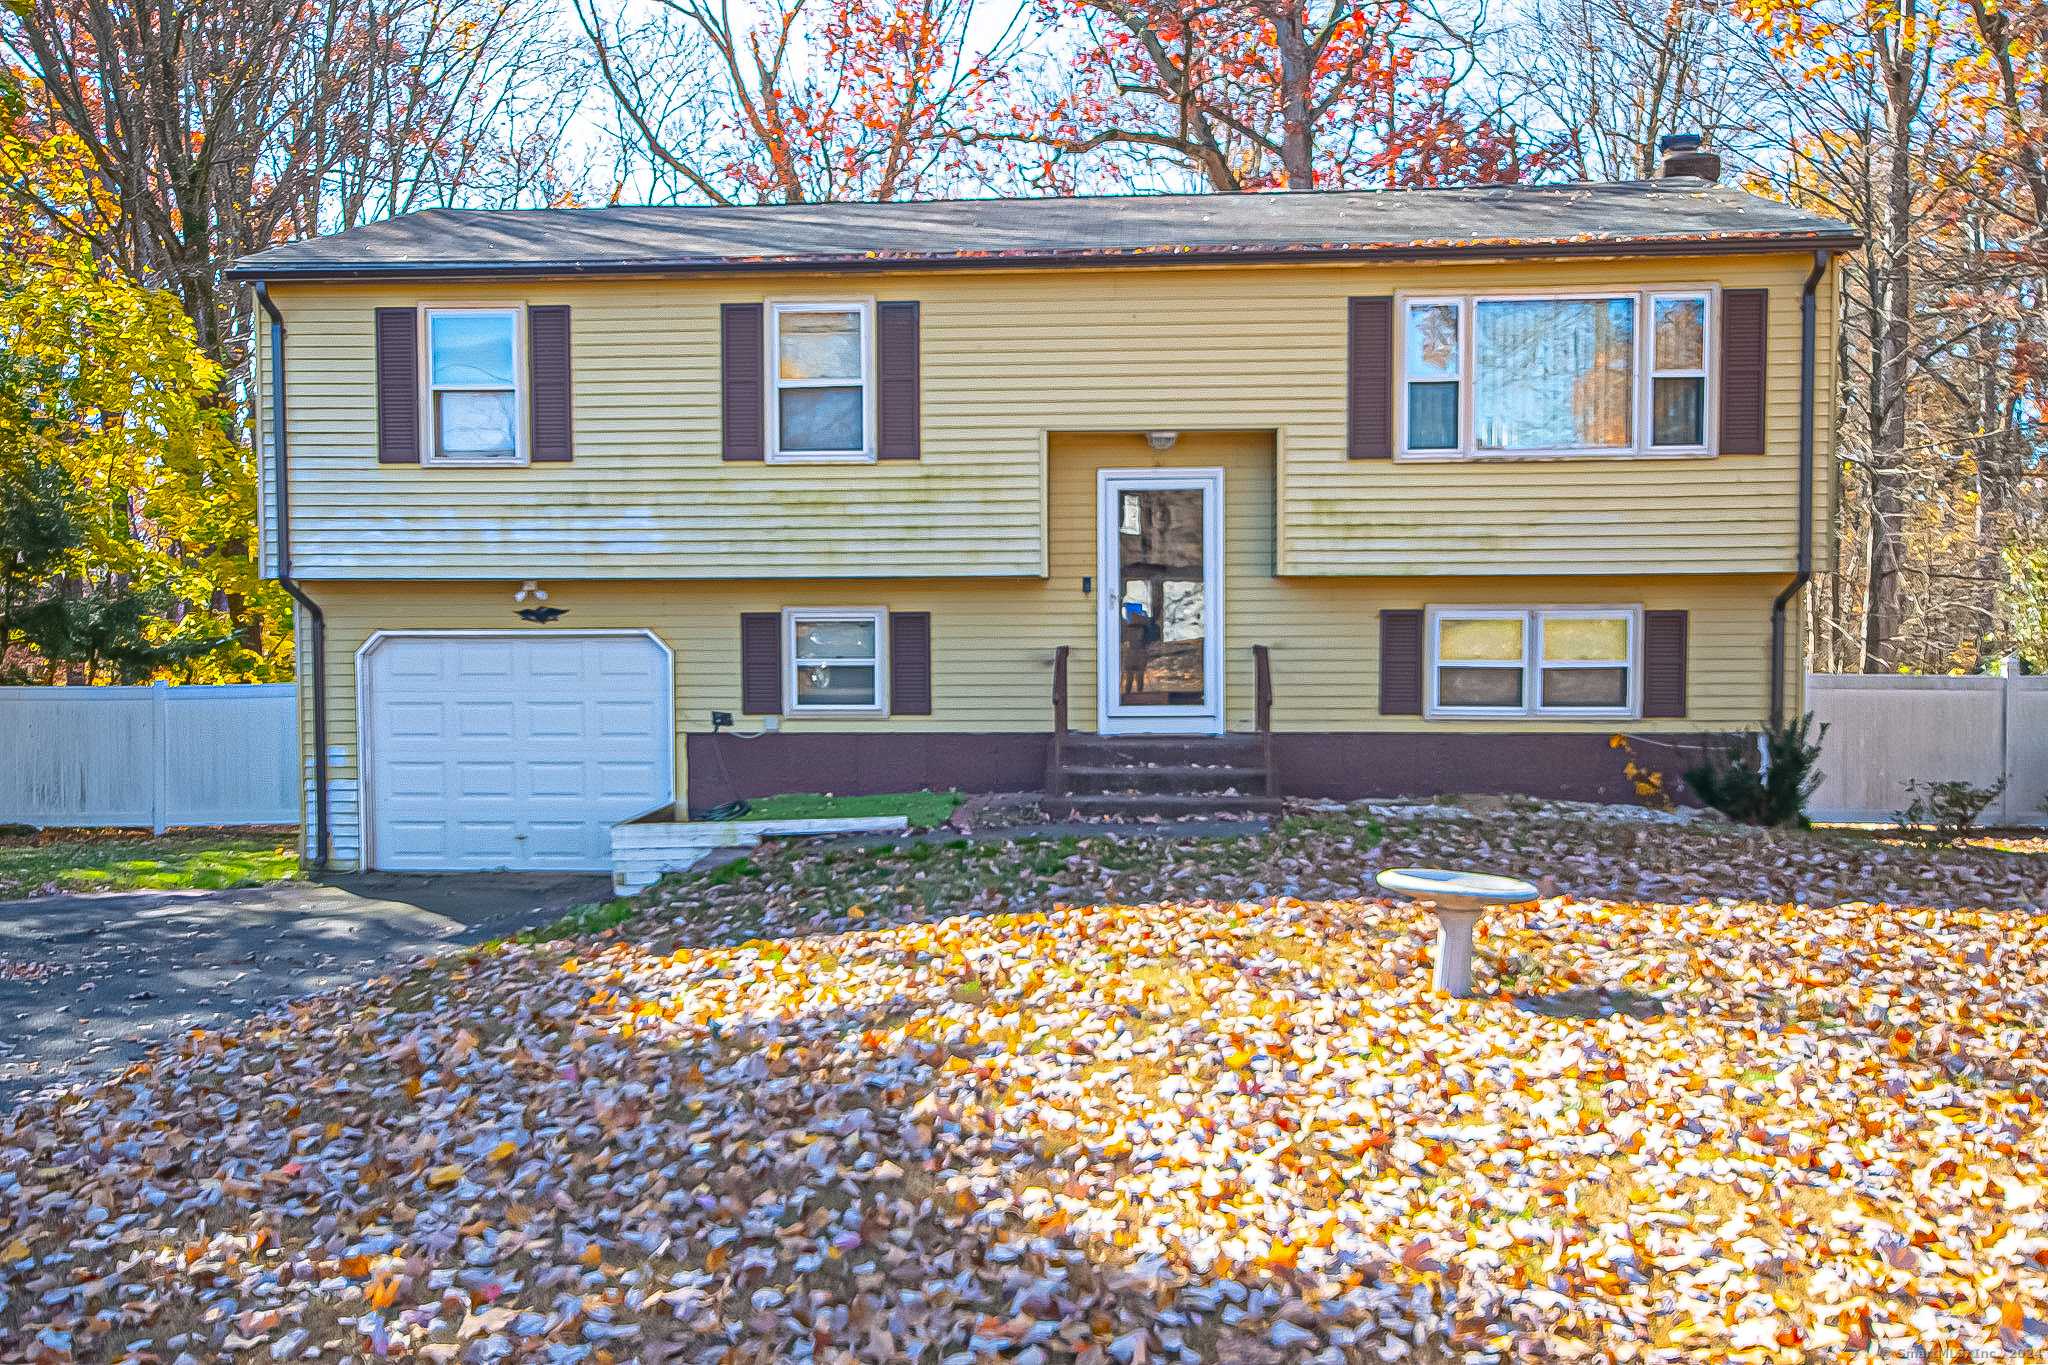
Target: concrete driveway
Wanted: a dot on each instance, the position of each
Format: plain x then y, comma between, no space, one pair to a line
90,983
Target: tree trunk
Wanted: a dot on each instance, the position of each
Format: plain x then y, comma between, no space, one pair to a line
1297,78
1897,65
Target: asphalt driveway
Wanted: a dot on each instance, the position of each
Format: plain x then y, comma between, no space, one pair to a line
90,983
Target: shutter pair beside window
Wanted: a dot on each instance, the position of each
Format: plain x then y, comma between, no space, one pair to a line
1404,655
910,663
548,398
743,375
1369,374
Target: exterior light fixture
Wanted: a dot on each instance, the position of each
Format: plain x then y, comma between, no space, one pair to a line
1161,440
529,586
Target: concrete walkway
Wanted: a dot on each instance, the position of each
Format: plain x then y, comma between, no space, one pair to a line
90,983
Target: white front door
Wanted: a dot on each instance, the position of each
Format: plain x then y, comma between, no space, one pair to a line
1160,628
513,751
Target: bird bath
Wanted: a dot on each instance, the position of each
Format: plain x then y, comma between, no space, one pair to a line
1459,900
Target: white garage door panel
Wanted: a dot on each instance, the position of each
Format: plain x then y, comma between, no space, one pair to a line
519,752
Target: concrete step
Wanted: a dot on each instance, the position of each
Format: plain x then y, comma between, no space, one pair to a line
1163,750
1186,778
1132,806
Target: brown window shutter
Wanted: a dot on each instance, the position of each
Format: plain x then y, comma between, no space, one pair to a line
398,386
547,369
1664,664
744,377
761,663
1369,373
910,663
896,381
1744,315
1401,663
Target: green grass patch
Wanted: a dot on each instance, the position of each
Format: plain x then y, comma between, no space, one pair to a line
208,862
924,810
731,872
594,918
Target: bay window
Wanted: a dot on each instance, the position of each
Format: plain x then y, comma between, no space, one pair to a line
1555,661
1555,375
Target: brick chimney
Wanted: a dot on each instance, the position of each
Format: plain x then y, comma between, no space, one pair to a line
1683,157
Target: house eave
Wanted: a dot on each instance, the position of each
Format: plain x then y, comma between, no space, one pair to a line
1734,244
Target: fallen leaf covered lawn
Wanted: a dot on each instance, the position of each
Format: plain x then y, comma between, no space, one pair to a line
1333,854
1200,1129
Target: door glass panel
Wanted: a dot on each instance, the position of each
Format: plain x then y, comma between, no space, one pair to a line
1163,623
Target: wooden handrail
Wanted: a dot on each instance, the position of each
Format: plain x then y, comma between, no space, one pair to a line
1263,688
1059,691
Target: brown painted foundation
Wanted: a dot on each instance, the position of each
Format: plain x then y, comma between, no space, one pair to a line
860,764
1345,766
1558,767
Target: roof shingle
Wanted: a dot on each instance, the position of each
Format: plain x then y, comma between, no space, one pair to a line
1672,216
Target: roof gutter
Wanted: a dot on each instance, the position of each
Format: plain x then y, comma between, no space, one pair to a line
876,262
1803,565
323,837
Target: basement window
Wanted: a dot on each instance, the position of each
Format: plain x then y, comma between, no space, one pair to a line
838,658
1490,662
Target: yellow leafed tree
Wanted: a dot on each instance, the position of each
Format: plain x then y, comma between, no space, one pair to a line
120,466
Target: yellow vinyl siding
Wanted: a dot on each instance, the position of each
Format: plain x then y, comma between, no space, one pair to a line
993,639
1008,357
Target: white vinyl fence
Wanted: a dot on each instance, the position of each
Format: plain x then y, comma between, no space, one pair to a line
155,756
1884,731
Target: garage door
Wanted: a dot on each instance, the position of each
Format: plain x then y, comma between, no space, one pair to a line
516,751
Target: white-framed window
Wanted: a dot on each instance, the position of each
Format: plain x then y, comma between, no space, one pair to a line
474,395
821,379
1533,661
1433,364
1581,374
837,660
1678,370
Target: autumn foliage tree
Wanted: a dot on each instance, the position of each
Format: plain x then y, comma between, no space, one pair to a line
154,142
810,101
222,126
126,501
1261,94
1898,118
